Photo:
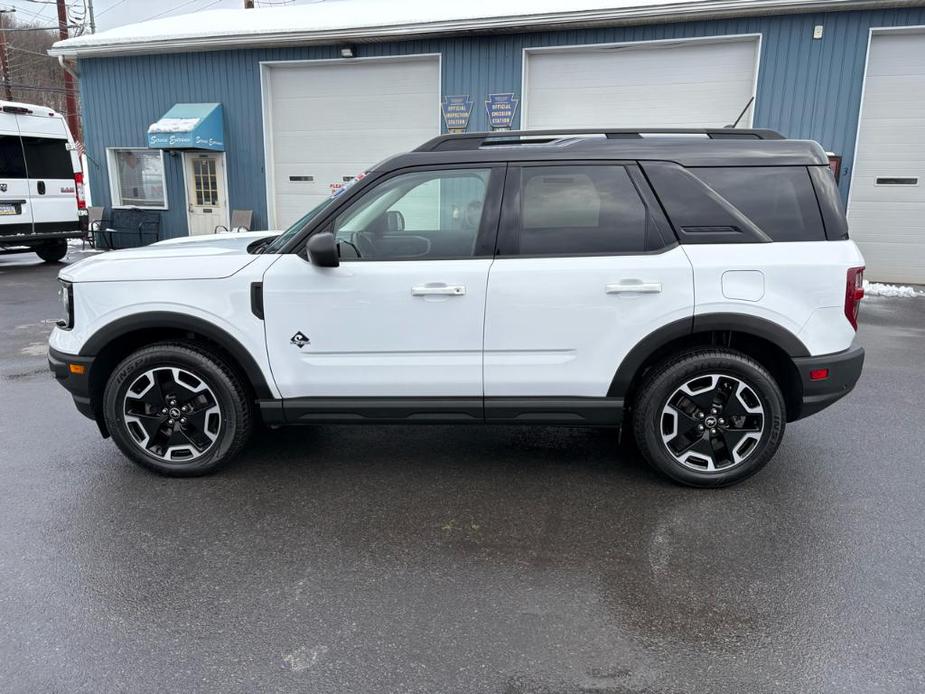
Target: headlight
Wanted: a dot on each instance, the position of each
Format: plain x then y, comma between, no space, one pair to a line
66,292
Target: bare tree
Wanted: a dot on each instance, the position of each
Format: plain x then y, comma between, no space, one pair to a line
35,77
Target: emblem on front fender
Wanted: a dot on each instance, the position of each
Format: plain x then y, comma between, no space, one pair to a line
299,340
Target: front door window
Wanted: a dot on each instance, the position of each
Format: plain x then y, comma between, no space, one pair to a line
425,214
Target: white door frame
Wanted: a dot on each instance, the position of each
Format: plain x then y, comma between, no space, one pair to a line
525,72
184,161
911,29
266,99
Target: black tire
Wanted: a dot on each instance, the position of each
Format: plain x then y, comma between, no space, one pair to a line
220,387
667,415
52,251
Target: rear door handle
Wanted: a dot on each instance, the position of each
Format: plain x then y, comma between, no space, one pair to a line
438,289
633,287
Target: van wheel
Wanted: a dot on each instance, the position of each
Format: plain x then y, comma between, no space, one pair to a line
709,418
177,409
52,251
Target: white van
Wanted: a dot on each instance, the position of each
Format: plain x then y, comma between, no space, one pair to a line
41,185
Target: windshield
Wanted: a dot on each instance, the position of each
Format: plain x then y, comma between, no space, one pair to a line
284,238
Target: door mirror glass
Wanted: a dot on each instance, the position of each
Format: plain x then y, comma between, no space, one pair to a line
395,220
322,250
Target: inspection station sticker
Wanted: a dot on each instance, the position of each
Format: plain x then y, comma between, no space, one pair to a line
456,112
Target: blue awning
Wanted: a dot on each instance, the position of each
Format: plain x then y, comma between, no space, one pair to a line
189,126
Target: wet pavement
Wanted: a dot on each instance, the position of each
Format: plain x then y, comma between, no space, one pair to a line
460,559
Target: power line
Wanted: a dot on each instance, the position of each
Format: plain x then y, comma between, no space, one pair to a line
111,7
54,28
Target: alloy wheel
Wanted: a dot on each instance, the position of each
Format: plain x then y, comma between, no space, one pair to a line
172,414
712,423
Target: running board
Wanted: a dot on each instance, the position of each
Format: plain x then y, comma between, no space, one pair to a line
562,410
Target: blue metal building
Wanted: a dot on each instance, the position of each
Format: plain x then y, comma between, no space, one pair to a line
808,81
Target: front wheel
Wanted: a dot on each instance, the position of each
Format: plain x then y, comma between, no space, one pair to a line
177,409
709,418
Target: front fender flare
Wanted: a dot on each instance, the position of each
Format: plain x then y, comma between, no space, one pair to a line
167,319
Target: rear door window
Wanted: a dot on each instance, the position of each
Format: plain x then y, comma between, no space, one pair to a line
573,210
12,162
47,158
779,200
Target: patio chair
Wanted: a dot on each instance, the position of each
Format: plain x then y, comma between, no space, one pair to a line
124,226
240,221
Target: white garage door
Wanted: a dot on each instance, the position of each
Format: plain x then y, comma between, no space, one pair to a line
886,209
328,121
701,83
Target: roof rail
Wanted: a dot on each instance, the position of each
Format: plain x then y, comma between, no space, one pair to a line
464,141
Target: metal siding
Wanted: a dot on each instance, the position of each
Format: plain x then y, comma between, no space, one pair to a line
806,88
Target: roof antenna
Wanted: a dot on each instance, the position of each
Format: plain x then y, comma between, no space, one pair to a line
741,114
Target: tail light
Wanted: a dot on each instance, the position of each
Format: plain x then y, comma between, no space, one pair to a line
79,189
854,292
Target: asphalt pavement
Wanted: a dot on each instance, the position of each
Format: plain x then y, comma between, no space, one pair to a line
460,559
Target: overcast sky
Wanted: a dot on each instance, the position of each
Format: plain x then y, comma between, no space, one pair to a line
113,13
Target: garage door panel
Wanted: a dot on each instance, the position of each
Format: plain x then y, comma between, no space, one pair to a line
888,221
894,261
639,64
299,80
686,84
330,121
896,54
349,113
292,147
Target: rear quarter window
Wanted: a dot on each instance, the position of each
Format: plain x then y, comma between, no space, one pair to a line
12,162
47,158
779,200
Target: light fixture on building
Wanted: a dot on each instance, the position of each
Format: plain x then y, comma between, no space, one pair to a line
347,52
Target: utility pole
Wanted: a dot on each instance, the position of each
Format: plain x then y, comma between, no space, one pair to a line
70,101
91,16
5,58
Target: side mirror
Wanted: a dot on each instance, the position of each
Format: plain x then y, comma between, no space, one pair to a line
322,250
394,220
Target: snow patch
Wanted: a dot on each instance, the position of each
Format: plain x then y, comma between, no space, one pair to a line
891,290
174,125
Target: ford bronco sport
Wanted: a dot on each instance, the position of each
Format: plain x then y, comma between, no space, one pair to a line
697,288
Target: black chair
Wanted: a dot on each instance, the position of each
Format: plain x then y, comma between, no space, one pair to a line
124,227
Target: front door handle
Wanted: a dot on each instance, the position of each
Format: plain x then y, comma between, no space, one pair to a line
633,287
438,290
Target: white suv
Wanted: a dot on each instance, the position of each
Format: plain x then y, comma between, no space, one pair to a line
697,286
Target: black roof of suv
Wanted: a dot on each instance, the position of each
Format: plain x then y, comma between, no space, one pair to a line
687,147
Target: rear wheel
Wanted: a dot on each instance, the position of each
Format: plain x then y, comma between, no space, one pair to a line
52,251
709,418
177,410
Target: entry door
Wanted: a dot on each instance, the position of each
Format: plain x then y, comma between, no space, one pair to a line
587,269
402,315
207,199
